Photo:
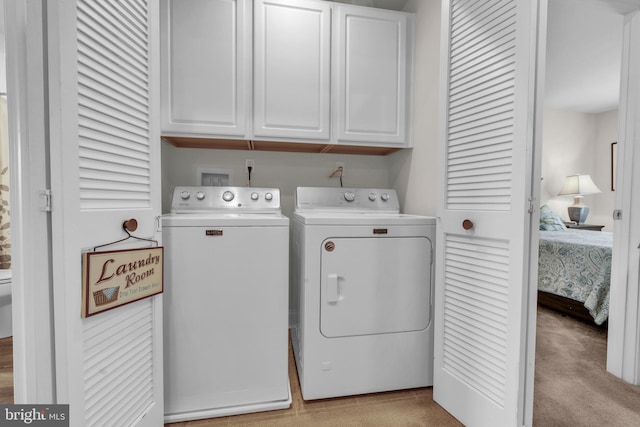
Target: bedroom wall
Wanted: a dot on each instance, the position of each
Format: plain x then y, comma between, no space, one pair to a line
607,132
574,143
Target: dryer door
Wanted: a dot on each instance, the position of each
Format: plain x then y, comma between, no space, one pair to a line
375,285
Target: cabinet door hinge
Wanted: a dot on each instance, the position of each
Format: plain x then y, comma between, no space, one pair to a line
531,204
46,201
617,214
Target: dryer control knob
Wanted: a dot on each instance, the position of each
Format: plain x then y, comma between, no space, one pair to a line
373,196
200,195
384,197
227,196
184,195
268,197
349,196
254,196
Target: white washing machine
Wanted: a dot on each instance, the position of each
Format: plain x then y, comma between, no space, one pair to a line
362,286
226,302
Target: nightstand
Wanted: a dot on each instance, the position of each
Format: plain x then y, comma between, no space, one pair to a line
584,226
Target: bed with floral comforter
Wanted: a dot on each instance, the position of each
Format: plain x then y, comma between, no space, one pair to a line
576,264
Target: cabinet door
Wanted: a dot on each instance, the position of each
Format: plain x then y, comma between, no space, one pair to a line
370,54
292,69
205,66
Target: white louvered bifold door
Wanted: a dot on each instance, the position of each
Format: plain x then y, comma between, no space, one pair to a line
105,169
487,134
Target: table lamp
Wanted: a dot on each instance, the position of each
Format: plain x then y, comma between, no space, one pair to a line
578,186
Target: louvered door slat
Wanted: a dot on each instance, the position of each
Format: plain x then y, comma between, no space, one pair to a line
466,157
481,104
126,129
92,107
113,99
489,165
492,90
469,45
466,63
110,55
475,148
127,44
97,133
103,83
112,152
479,308
108,95
114,356
126,27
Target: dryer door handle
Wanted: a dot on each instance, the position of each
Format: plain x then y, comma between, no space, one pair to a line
333,290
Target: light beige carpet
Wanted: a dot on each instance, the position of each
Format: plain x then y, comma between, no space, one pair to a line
572,387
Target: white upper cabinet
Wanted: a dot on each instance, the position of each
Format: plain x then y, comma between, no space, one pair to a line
290,71
292,47
206,67
371,76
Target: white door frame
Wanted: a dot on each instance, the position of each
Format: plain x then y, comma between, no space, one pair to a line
34,374
623,346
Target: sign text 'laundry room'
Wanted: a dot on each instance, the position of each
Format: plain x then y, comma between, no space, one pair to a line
113,278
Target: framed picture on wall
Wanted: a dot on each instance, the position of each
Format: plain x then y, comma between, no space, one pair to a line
614,161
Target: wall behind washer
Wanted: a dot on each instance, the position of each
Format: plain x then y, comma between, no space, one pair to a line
283,170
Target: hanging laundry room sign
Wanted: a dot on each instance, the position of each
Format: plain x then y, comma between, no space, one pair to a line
114,278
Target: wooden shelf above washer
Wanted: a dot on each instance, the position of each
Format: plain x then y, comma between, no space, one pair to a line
294,147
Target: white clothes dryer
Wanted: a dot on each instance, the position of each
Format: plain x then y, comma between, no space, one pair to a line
362,287
226,303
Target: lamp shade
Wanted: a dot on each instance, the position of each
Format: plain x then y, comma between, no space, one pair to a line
578,185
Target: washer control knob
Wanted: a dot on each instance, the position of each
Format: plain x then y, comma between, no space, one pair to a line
227,196
200,195
184,195
349,196
384,197
254,196
373,196
268,197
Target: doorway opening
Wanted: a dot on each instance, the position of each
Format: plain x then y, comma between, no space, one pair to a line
580,130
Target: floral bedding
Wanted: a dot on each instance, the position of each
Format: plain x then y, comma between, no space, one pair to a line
577,264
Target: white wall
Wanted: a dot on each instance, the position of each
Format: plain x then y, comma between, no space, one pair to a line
414,172
575,143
